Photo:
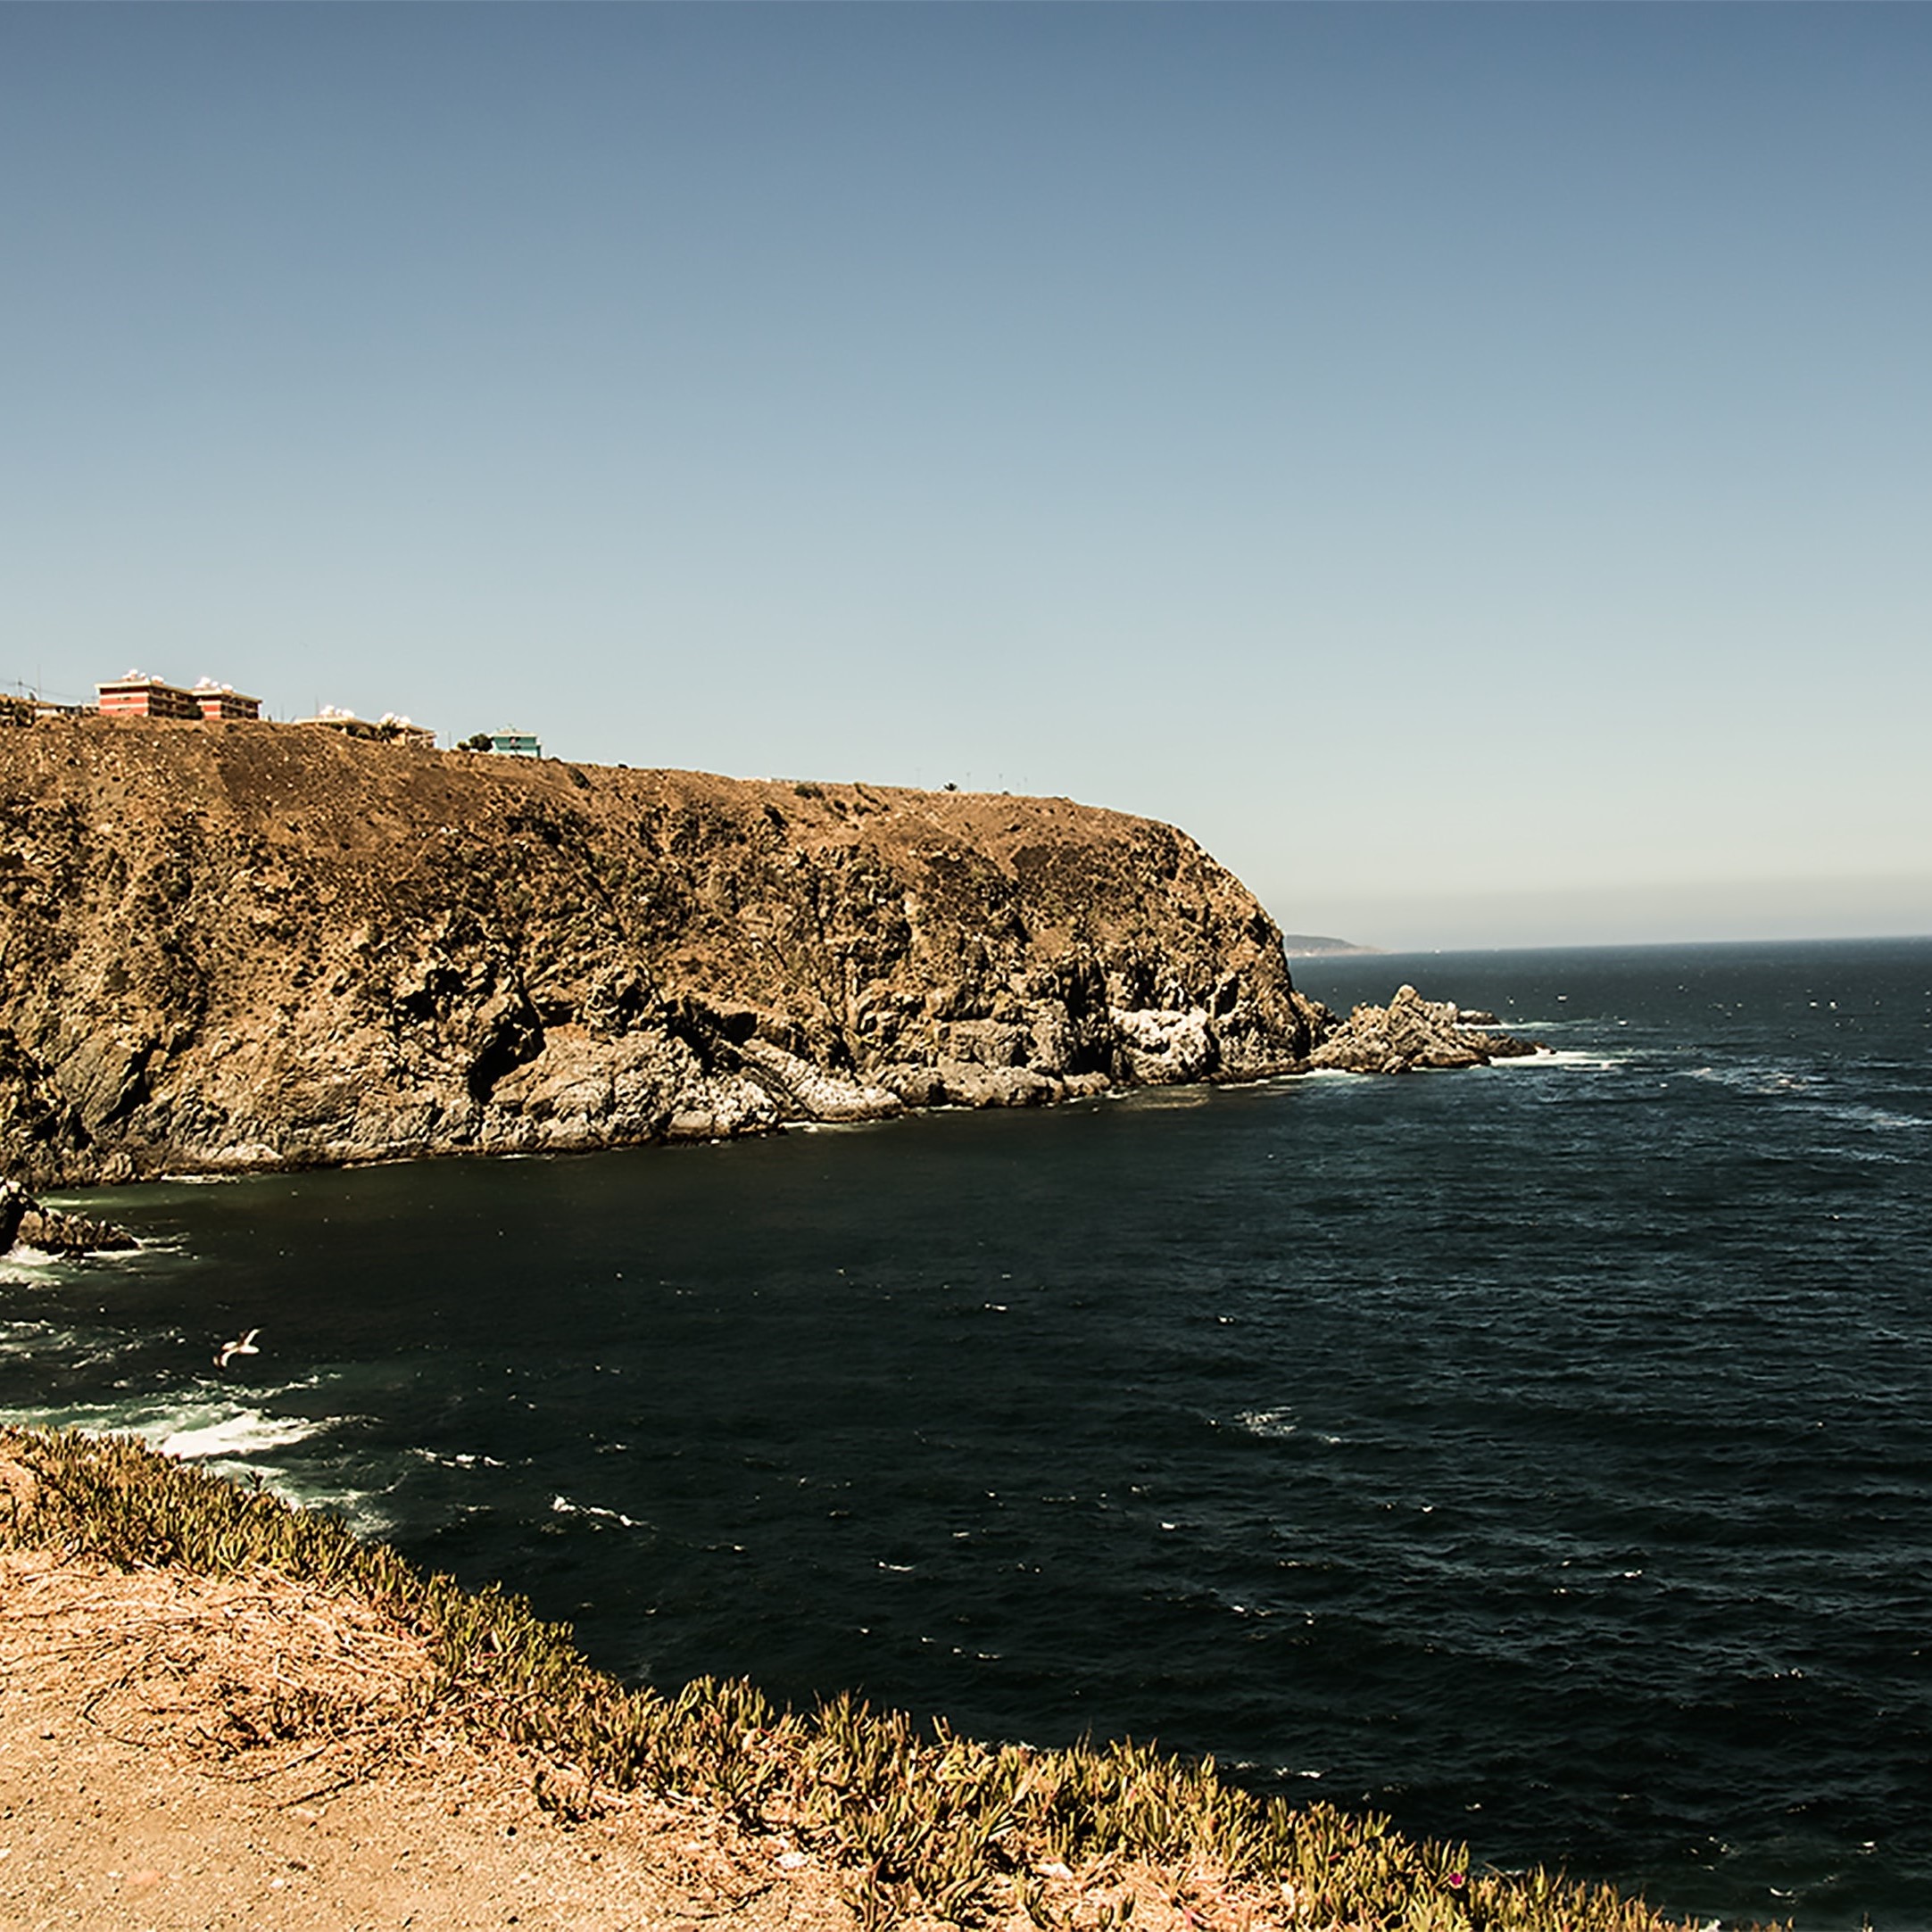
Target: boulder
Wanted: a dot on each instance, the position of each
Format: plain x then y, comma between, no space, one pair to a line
24,1223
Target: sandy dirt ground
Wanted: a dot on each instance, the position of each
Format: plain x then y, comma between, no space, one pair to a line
176,1753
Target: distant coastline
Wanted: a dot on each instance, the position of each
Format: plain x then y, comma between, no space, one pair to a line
1318,946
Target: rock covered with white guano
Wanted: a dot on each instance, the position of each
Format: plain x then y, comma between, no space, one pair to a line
1411,1032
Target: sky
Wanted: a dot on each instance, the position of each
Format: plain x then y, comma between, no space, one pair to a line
1470,466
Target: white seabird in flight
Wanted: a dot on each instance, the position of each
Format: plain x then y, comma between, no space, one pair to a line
245,1347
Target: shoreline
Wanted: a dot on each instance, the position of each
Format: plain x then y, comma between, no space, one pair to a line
1411,1034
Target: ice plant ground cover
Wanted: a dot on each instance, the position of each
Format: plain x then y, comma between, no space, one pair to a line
919,1825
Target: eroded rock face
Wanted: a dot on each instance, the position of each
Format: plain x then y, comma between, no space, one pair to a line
227,947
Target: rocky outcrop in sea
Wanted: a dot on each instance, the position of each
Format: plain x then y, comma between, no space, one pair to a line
24,1223
234,946
1411,1033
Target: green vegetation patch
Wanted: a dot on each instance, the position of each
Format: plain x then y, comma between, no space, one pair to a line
919,1823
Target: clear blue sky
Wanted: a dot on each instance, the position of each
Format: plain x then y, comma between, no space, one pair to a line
1468,465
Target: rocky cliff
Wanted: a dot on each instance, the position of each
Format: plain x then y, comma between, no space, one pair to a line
234,946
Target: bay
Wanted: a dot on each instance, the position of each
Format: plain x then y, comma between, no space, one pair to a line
1539,1454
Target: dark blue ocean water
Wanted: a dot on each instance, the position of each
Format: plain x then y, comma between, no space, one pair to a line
1541,1454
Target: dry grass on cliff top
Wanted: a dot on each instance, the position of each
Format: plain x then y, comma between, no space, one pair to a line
209,1631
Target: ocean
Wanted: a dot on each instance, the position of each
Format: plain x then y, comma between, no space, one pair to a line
1540,1453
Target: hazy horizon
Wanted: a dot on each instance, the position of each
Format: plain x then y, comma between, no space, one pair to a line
1468,466
1719,911
1502,926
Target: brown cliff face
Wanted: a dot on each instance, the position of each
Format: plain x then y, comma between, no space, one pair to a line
231,946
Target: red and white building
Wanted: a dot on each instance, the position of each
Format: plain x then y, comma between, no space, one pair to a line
138,695
223,701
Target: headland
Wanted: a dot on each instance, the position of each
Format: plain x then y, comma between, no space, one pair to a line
230,945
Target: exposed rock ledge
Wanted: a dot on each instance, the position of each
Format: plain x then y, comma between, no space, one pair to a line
24,1223
230,946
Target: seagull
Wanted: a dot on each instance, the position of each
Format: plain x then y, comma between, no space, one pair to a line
245,1347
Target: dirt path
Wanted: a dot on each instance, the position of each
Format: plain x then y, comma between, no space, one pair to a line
176,1753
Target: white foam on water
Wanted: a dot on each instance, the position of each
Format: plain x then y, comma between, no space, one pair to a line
1861,1114
1593,1061
1168,1098
1597,1062
1767,1081
562,1505
223,1439
249,1433
193,1428
132,1257
360,1509
1274,1424
23,1254
24,1265
1801,1092
29,1338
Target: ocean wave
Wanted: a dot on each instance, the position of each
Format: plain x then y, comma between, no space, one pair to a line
562,1506
1810,1093
145,1246
363,1509
1167,1099
224,1439
1272,1424
1754,1077
31,1338
248,1433
1595,1061
1883,1120
52,1343
24,1265
24,1255
194,1428
461,1460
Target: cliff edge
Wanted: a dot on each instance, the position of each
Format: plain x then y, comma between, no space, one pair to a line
235,946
